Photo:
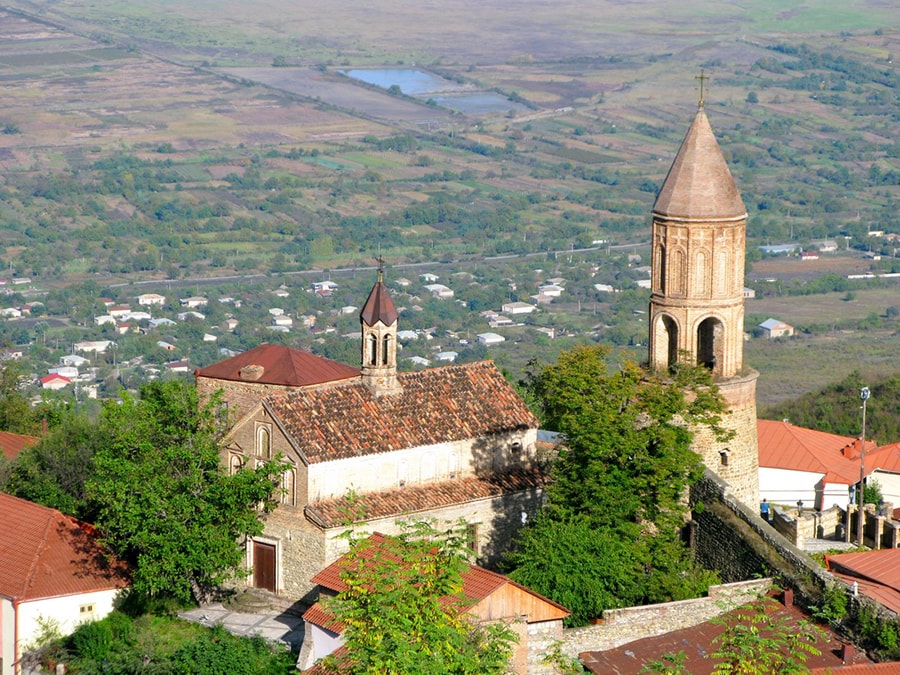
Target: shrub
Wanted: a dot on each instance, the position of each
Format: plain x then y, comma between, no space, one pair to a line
92,641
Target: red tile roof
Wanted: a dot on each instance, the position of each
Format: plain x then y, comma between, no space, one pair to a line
696,643
886,458
13,444
379,306
439,405
876,572
47,554
412,499
280,365
784,446
478,584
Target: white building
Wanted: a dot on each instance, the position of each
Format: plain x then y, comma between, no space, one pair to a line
489,339
517,308
52,570
151,299
773,328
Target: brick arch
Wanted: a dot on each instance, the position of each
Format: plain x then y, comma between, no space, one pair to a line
710,343
666,334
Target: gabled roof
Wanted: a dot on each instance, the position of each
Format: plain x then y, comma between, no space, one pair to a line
885,458
12,444
47,554
279,366
379,306
769,324
439,405
699,184
478,584
784,446
876,572
413,499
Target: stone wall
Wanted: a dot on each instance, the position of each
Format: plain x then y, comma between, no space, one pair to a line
541,636
620,626
729,536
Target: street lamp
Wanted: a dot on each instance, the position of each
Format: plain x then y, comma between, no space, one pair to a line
864,394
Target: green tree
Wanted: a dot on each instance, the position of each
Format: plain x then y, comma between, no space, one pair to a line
16,414
161,497
757,641
403,609
609,533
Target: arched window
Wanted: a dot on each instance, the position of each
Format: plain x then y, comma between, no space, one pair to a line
264,443
661,267
373,349
710,347
677,273
385,344
235,464
287,487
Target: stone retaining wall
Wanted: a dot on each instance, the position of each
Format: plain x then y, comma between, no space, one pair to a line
620,626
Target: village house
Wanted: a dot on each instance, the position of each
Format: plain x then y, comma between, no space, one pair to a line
53,569
439,291
151,299
194,302
517,308
355,443
815,467
773,328
54,382
12,444
490,339
489,597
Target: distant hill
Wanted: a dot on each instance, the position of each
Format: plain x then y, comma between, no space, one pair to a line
837,409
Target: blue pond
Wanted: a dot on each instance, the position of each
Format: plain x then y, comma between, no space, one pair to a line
411,82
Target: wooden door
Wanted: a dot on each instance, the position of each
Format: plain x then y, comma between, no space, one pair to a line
264,566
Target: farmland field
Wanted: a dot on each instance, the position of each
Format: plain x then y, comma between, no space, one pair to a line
148,141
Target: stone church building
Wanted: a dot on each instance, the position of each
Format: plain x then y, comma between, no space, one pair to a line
375,447
697,296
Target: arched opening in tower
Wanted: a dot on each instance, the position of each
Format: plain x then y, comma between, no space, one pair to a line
670,329
710,347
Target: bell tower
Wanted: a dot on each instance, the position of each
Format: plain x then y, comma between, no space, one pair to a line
378,320
697,295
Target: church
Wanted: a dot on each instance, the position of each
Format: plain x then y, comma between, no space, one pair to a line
372,447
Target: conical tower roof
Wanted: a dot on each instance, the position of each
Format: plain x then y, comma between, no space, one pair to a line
379,306
699,185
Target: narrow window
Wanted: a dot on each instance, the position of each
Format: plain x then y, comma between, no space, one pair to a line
472,537
385,341
265,444
373,350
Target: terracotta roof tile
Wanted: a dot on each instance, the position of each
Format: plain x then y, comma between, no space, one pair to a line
48,554
379,306
439,405
415,498
279,365
784,446
13,444
699,184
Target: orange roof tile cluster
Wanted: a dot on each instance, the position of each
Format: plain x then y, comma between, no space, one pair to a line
415,498
876,572
281,366
439,405
379,306
47,554
784,446
12,444
699,184
886,458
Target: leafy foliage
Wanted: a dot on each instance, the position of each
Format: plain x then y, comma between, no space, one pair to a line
403,609
758,642
608,536
161,497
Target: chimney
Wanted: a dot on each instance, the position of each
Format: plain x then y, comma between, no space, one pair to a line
787,598
251,372
847,653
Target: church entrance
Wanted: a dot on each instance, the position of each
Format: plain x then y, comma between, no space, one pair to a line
264,566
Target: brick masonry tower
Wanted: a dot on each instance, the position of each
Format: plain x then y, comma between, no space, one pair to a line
697,296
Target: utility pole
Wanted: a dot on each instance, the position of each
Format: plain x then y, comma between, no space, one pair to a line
864,394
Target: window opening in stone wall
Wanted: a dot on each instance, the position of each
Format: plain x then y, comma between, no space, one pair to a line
472,537
264,448
373,350
710,352
385,342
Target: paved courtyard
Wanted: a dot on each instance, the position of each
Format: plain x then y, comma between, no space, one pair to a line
275,626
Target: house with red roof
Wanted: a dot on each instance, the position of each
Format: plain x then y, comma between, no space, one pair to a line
373,447
886,471
12,444
55,381
52,569
815,467
875,574
489,597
